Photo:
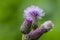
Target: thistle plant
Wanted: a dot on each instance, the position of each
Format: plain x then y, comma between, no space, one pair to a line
32,14
35,13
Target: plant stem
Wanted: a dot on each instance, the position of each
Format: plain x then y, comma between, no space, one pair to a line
23,36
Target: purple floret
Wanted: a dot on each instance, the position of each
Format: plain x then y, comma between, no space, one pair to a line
34,11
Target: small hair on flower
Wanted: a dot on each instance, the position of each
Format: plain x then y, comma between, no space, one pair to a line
34,11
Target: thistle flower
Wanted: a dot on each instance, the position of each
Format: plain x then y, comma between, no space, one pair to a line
48,25
35,13
34,35
26,26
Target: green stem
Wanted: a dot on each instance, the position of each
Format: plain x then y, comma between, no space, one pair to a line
23,36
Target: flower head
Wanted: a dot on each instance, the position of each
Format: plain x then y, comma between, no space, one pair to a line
34,11
48,25
26,26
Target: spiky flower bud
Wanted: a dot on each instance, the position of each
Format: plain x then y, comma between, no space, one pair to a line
48,25
26,26
34,35
34,12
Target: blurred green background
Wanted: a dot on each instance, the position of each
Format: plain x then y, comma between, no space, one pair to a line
11,18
